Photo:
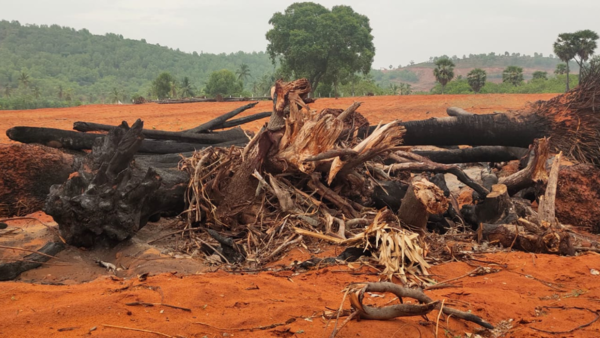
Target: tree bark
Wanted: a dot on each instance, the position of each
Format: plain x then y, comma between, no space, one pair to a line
474,154
456,111
110,197
476,130
215,123
495,207
422,198
58,138
206,138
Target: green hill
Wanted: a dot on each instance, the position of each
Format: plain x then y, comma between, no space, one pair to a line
57,66
52,66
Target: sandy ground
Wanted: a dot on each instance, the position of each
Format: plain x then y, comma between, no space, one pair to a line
526,291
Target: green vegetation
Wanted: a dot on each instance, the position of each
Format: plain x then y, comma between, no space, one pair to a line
444,71
476,79
322,45
555,84
224,83
513,75
539,75
580,44
67,67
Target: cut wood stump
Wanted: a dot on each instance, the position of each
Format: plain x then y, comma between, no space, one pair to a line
422,199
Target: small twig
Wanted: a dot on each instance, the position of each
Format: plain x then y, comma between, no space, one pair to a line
336,330
548,284
27,250
213,249
437,322
574,329
283,246
266,327
173,233
158,304
139,330
50,227
451,279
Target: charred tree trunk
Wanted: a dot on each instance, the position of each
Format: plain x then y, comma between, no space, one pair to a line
110,197
58,138
475,154
476,130
208,138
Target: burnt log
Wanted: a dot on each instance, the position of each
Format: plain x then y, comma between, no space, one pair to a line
474,154
110,197
206,138
476,130
58,138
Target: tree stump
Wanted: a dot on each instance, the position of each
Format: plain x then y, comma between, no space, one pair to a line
421,199
110,197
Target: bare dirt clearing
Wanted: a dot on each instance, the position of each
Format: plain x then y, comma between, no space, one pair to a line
526,292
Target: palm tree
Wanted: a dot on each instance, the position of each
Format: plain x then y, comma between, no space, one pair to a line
585,43
513,75
36,92
476,79
24,79
114,95
186,88
443,71
564,49
243,72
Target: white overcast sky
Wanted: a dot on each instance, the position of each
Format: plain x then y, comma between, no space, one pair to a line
402,30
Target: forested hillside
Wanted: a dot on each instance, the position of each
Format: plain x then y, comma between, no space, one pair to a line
58,66
54,66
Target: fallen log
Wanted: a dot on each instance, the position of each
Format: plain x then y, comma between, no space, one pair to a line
205,138
110,198
477,130
58,138
243,120
456,111
215,123
474,154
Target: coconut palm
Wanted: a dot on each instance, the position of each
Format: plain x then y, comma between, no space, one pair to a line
24,79
443,71
244,72
186,89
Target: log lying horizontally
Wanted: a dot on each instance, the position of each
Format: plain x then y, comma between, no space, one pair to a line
58,138
474,154
206,138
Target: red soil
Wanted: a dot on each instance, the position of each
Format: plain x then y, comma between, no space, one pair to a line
177,117
517,294
233,301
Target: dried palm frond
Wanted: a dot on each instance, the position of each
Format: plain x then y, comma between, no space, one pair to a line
400,251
